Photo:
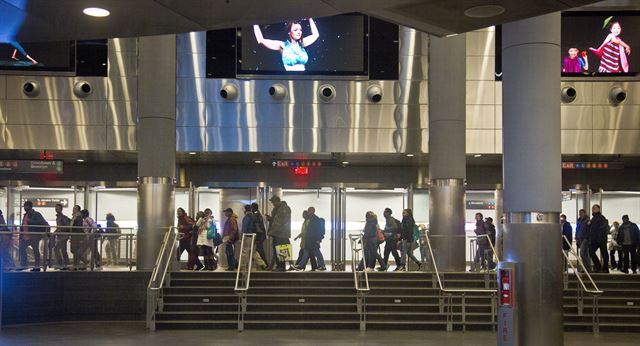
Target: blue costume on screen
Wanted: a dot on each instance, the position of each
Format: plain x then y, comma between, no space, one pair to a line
294,55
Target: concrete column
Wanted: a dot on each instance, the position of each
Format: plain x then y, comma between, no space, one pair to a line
447,165
532,175
156,144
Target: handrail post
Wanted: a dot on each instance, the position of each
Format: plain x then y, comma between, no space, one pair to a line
361,308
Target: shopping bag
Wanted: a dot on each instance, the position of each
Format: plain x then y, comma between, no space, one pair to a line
284,252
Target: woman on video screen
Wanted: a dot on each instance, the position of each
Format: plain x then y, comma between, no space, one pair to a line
612,52
294,56
12,18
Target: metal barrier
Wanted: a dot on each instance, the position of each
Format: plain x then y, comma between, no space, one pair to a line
594,293
360,277
243,276
446,296
158,276
473,240
84,245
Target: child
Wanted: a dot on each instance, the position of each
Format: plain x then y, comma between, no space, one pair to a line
612,52
575,64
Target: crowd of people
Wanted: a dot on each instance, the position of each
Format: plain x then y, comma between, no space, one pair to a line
34,231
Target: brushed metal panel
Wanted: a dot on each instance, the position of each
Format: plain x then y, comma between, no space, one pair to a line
498,134
3,118
190,89
576,117
584,92
121,138
625,117
43,112
248,115
481,43
413,42
480,92
361,116
122,113
189,138
480,141
616,141
413,67
55,88
577,142
481,116
122,64
122,88
55,137
424,136
191,65
481,68
190,114
264,139
129,44
411,92
3,87
362,140
192,42
601,92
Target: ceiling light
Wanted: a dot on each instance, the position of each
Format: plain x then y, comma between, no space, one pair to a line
96,12
80,160
484,11
345,162
257,161
451,35
409,155
477,155
192,153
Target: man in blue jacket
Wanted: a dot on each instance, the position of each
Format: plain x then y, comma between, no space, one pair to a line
629,238
31,218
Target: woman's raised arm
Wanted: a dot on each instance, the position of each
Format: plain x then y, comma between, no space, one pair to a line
309,40
270,44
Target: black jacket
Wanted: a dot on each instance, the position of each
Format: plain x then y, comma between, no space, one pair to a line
628,227
598,229
315,233
370,230
481,231
407,229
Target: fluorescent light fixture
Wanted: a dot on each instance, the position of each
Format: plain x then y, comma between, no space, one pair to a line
345,162
257,161
192,153
96,12
80,160
477,155
409,155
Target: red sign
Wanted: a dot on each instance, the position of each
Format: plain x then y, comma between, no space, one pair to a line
301,171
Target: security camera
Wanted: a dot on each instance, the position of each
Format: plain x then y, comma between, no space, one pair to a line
229,92
617,95
82,89
568,94
31,88
327,92
278,91
374,93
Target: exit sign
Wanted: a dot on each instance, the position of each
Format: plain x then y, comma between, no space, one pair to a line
592,165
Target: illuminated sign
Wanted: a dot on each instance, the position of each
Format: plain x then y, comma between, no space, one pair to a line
49,202
301,171
592,165
483,205
31,166
302,163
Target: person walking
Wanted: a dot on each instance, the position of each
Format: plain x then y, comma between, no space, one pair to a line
78,242
249,226
279,229
203,242
407,238
598,232
567,237
628,238
614,247
113,240
31,218
391,232
482,243
582,238
60,241
261,231
230,237
186,225
93,231
311,240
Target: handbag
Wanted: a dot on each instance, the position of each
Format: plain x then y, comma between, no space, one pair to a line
379,235
211,231
284,252
217,239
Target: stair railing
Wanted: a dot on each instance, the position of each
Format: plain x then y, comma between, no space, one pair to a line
360,277
243,275
166,256
595,293
446,296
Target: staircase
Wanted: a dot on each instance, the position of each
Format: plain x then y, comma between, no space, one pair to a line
314,300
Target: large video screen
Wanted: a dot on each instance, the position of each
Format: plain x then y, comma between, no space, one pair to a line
40,56
600,43
336,45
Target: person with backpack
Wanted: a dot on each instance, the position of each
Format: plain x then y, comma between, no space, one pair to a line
598,233
391,232
482,243
249,226
314,233
230,236
628,238
407,238
31,218
372,242
185,237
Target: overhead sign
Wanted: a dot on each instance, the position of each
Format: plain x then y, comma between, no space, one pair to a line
31,166
49,202
302,163
592,165
481,205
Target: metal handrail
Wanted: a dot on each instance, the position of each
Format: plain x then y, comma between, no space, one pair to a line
247,281
595,291
356,238
160,269
493,248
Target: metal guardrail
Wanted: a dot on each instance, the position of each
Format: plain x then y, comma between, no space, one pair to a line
594,293
88,242
360,277
446,296
243,276
158,276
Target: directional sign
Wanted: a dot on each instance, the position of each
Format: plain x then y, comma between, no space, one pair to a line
48,202
31,166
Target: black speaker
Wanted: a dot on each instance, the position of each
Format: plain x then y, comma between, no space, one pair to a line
221,53
383,50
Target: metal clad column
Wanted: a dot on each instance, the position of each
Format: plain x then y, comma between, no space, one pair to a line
156,144
532,175
447,162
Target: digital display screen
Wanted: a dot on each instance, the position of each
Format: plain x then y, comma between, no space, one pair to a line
38,56
600,43
336,45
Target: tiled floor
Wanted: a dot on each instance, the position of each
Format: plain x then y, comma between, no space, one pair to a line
110,333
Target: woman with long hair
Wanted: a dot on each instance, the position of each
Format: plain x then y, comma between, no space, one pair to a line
294,54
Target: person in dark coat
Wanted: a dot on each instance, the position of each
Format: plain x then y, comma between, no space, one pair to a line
31,218
629,238
261,231
78,242
567,232
186,242
598,232
312,238
60,241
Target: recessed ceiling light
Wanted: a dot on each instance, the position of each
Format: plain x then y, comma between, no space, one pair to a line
192,153
96,12
477,155
257,161
484,11
345,162
80,160
409,155
451,35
